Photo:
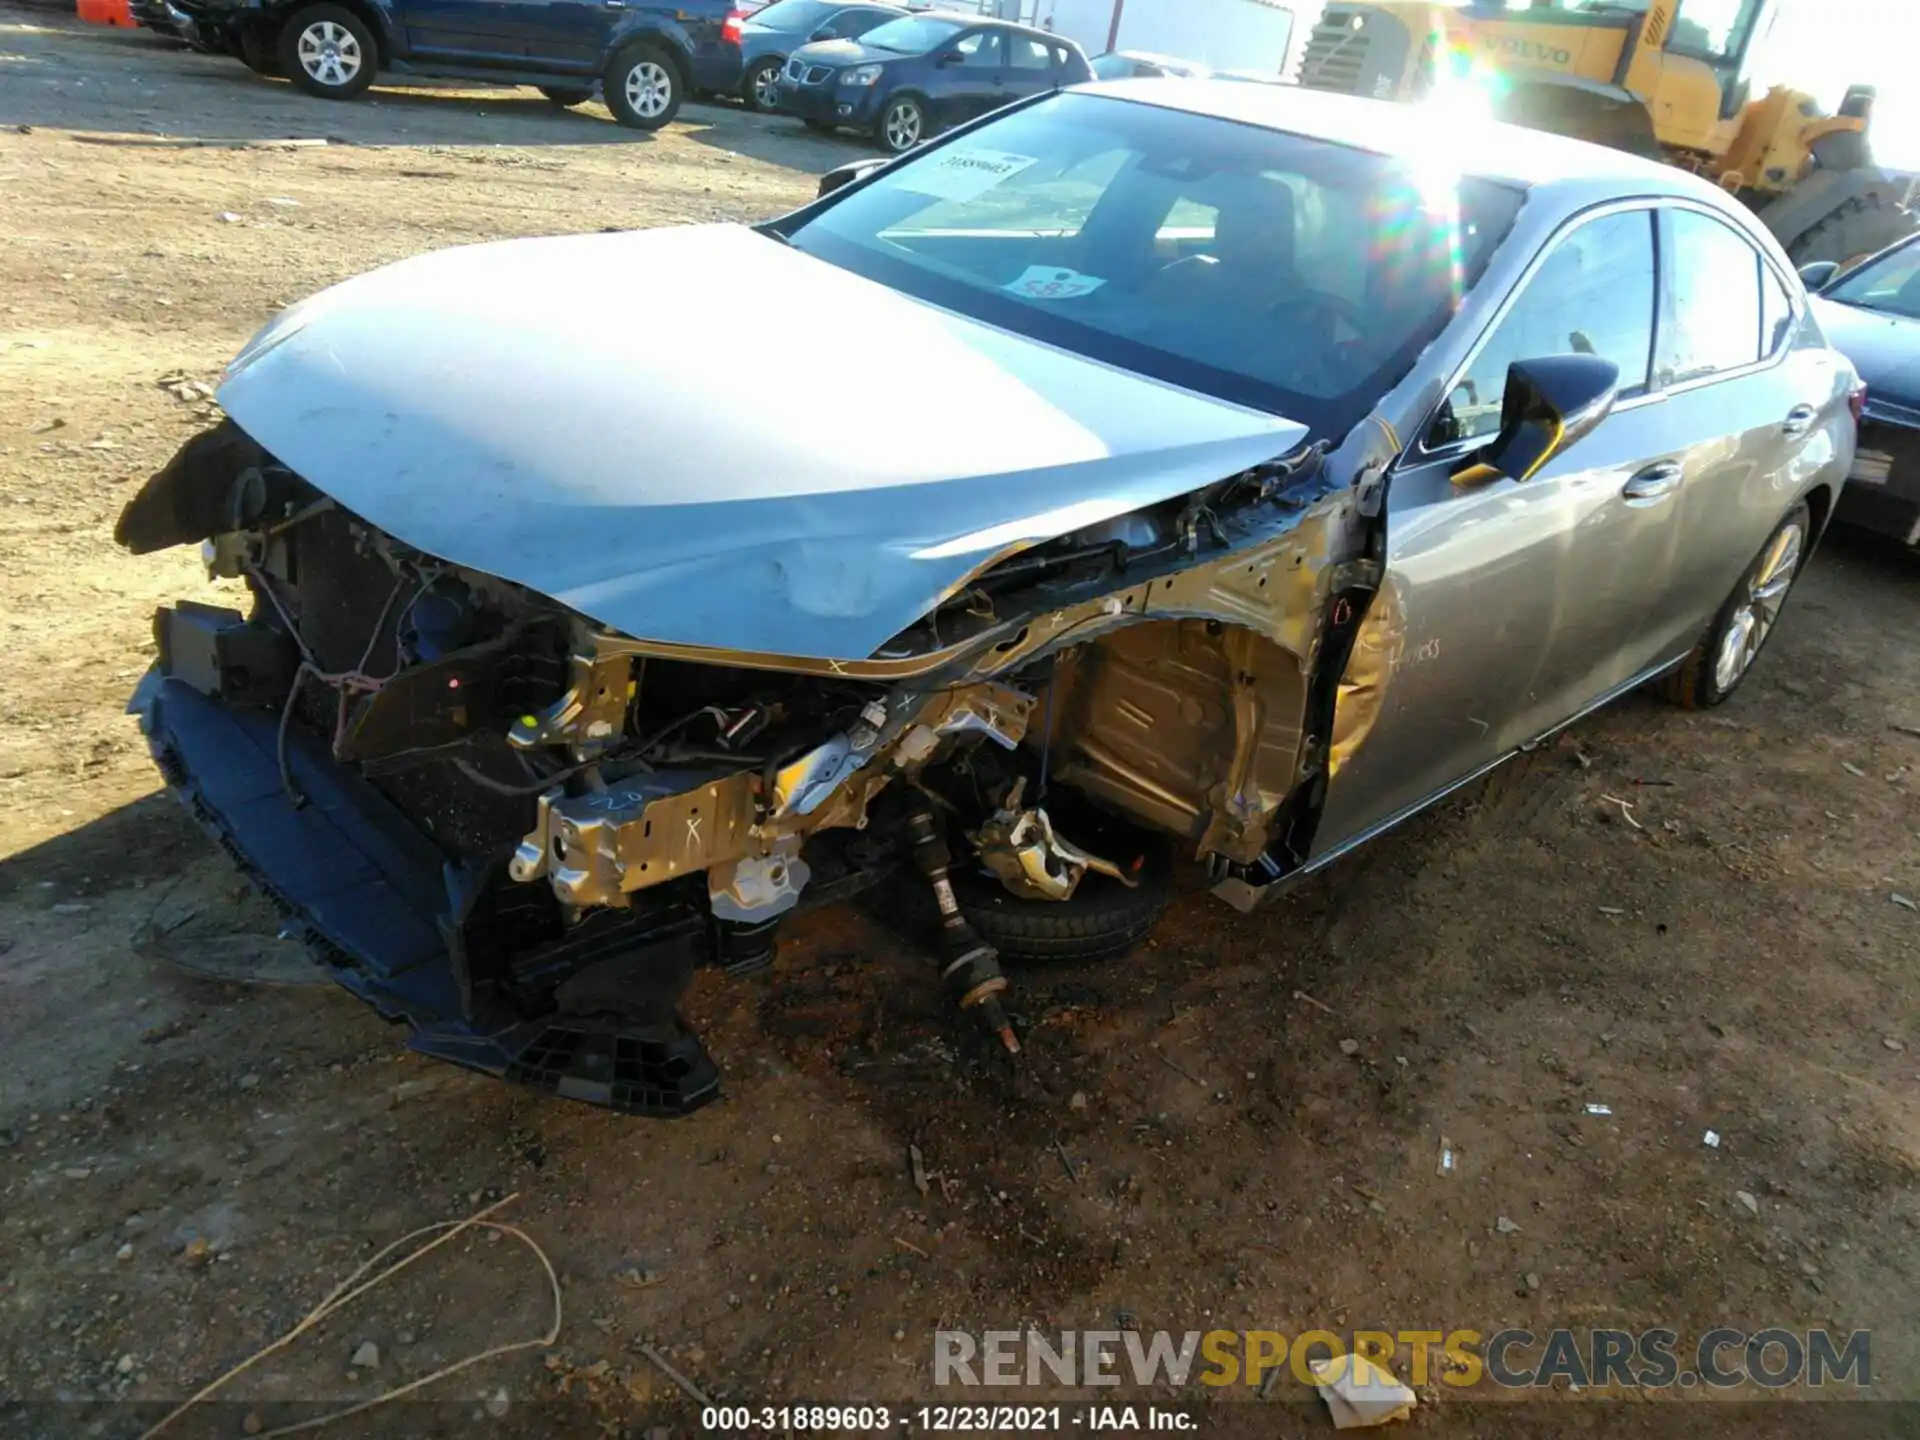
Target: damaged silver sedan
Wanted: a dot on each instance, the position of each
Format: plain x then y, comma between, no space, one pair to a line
1243,470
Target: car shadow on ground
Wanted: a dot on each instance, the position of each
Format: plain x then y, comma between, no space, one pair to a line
769,138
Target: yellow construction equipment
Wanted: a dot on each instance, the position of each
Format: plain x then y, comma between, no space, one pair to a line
1672,79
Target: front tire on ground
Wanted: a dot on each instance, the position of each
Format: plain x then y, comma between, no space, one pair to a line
643,87
902,124
566,96
757,89
1735,638
328,51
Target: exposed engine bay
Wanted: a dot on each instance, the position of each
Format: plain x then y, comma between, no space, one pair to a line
521,830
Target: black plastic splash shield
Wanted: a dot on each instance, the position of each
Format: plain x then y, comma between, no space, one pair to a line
369,896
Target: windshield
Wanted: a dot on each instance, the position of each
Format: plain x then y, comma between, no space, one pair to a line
1268,269
915,35
1890,284
797,16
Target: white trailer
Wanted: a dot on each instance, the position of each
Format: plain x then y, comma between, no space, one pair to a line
1221,34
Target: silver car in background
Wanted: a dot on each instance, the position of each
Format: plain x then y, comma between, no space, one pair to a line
1264,464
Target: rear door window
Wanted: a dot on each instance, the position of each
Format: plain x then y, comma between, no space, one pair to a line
1712,285
1030,55
1593,294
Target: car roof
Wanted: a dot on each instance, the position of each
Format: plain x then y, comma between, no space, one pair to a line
1509,153
989,22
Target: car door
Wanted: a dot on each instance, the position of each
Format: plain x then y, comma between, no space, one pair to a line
575,34
969,78
471,31
1762,407
1509,607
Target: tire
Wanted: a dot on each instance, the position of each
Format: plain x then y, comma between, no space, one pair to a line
756,91
1104,918
643,87
1720,661
1843,150
1863,226
567,96
328,51
1103,921
902,124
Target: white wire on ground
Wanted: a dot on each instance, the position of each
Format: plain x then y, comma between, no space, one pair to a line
347,1291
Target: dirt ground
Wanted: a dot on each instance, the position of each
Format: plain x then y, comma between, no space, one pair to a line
188,1165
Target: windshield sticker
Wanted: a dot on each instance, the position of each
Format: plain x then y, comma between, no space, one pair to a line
1050,282
963,174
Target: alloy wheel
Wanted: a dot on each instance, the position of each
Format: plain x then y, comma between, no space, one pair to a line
903,127
765,79
1753,617
649,89
329,53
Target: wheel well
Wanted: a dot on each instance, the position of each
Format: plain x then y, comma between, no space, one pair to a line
366,14
660,45
1819,507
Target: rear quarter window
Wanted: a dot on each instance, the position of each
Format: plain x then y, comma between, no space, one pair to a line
1712,283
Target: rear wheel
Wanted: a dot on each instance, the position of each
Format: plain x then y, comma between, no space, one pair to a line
328,51
1863,225
759,87
567,95
643,88
1734,640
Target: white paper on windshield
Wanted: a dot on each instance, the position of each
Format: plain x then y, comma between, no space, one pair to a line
963,174
1051,282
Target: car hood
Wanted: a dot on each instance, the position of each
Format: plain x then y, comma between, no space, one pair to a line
705,437
845,52
1884,348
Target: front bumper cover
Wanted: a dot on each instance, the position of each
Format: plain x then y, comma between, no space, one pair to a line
382,908
823,102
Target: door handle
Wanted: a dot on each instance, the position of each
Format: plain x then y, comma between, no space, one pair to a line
1656,482
1799,420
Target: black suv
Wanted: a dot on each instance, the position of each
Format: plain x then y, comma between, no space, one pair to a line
645,55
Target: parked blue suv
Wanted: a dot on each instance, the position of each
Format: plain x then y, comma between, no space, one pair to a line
645,54
913,77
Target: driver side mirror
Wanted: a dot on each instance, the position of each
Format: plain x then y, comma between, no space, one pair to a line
1817,275
1550,405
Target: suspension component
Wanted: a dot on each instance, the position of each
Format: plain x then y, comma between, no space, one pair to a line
969,966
